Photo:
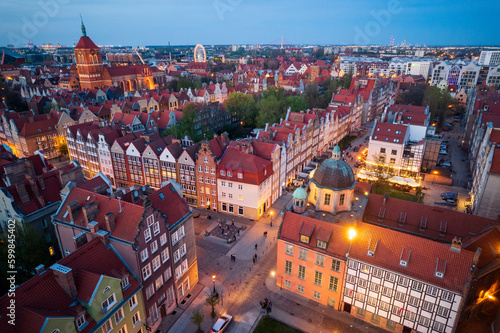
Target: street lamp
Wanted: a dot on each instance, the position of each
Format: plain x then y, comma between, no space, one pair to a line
271,218
434,178
351,233
213,279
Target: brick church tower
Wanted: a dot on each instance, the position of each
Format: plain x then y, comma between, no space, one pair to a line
89,62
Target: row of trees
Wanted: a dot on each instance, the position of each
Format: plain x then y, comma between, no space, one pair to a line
441,104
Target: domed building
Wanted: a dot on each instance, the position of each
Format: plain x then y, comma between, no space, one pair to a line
331,188
299,200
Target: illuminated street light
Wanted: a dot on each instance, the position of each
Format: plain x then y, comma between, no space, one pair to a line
213,279
351,233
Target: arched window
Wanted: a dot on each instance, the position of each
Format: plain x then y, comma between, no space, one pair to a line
108,288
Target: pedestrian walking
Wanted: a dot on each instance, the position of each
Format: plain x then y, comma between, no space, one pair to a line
234,257
232,223
253,260
256,246
238,232
255,255
270,306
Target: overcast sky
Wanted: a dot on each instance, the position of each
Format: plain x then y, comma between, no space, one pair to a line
156,22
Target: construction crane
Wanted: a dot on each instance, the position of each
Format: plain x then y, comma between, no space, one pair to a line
140,57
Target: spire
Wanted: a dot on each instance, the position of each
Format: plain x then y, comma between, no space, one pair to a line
84,32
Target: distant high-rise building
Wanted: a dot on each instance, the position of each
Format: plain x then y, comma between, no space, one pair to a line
489,58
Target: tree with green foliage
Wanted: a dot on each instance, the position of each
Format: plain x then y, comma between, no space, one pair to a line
242,106
311,94
63,149
296,103
212,300
30,252
270,111
197,319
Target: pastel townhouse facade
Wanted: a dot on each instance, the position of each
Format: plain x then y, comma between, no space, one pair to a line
91,290
207,157
154,240
404,283
244,183
311,259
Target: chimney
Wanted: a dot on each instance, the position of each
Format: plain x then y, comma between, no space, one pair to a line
93,227
23,194
73,210
110,221
456,244
39,269
385,199
101,189
90,212
64,276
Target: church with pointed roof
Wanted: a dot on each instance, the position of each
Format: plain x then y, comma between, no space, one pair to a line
94,74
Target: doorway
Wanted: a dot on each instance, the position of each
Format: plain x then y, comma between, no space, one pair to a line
347,307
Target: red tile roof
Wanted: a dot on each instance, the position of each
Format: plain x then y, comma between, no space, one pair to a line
440,224
255,169
168,201
127,215
86,43
388,132
489,242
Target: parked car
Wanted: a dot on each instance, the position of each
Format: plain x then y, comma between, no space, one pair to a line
221,324
445,164
356,148
443,152
449,195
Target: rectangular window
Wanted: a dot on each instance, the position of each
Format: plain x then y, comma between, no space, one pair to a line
154,247
164,255
403,281
288,284
360,297
132,302
288,267
136,319
109,302
394,152
119,316
107,326
167,274
318,277
289,249
353,264
431,291
231,207
240,210
163,239
374,287
442,311
333,284
386,291
327,199
300,289
341,199
224,207
384,306
438,326
427,306
361,312
424,321
412,300
447,296
230,195
302,272
391,324
382,150
377,272
147,234
146,271
375,318
399,296
320,259
240,187
316,295
417,286
351,279
156,263
302,254
150,290
396,310
144,254
389,277
362,283
335,265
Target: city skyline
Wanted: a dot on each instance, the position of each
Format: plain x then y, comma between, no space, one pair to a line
222,22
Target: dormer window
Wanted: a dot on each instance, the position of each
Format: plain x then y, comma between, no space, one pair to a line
80,321
240,175
222,173
125,282
321,244
304,239
229,173
440,268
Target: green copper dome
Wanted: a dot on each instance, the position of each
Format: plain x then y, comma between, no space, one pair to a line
300,193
